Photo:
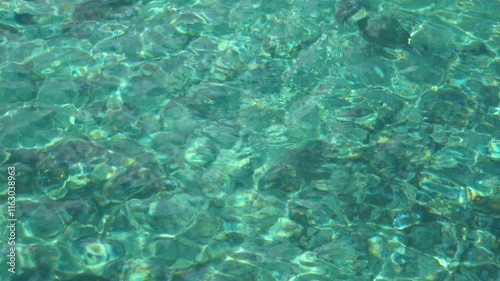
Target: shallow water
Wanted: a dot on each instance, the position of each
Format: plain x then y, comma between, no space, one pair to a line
250,140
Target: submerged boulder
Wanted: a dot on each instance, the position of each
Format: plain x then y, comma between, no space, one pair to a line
345,9
384,31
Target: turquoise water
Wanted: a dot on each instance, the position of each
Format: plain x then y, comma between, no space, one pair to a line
250,140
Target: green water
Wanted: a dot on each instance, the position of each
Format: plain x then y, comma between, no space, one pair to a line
212,140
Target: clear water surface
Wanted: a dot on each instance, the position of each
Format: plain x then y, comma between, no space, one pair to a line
284,140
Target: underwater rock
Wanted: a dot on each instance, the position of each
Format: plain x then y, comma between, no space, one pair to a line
200,154
38,226
345,9
384,31
455,107
280,180
165,214
90,10
25,19
310,162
